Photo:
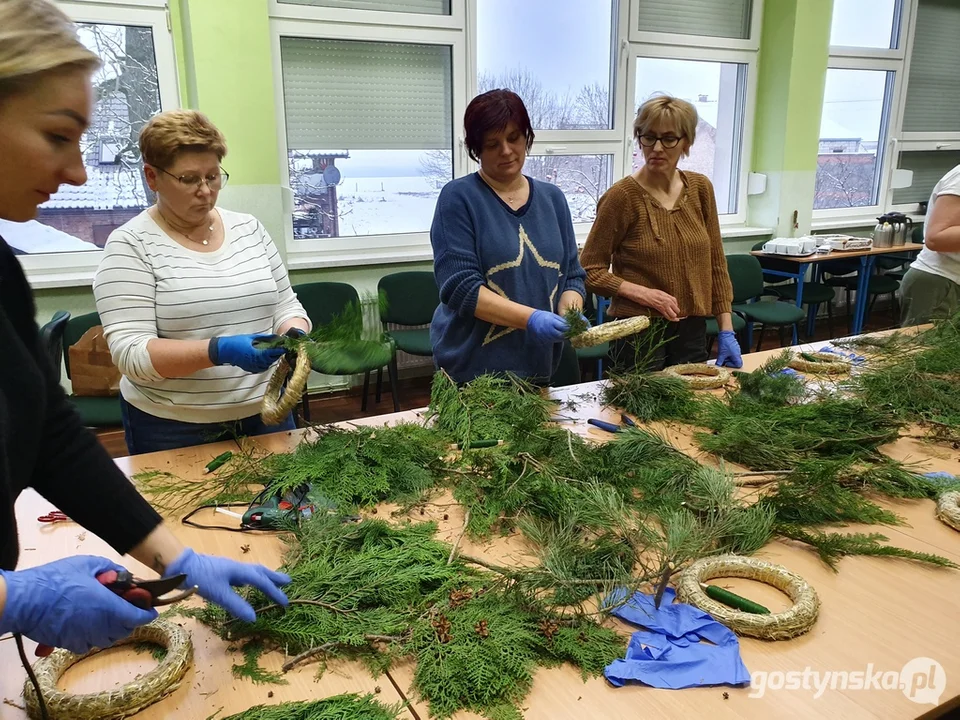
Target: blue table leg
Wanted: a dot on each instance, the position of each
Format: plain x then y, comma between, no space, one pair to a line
863,283
801,276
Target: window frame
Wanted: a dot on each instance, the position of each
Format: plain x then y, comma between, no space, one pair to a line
570,142
77,269
898,60
886,145
643,37
704,54
356,250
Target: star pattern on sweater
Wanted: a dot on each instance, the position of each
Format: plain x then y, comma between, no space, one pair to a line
497,331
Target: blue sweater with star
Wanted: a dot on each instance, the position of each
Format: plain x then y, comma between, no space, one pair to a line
527,255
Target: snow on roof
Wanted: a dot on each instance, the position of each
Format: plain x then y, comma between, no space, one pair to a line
108,187
34,237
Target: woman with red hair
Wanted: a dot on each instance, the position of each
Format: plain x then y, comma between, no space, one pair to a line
505,257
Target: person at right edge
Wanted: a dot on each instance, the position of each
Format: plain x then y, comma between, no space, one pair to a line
46,98
660,231
931,287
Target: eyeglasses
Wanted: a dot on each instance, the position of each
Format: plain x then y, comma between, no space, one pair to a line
193,182
668,141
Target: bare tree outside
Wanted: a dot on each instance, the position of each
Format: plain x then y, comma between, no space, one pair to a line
845,180
128,95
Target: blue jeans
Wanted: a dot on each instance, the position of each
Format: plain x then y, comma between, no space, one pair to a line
146,433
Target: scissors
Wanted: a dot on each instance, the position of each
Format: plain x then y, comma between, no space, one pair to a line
145,594
53,516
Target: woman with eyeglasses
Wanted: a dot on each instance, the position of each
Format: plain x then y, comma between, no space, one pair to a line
185,291
655,247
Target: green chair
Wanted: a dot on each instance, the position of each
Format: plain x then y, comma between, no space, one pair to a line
95,412
411,299
746,276
596,353
324,300
877,285
814,293
51,337
568,371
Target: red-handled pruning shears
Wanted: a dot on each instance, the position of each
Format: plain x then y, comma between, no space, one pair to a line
145,594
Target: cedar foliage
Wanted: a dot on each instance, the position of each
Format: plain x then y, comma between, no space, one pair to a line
378,592
337,707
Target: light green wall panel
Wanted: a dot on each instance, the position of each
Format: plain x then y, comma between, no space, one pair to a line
230,78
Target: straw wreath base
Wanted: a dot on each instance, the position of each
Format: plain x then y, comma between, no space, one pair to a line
778,626
119,702
948,509
700,376
826,364
613,330
278,402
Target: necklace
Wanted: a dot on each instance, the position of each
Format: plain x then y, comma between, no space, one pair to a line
508,197
205,241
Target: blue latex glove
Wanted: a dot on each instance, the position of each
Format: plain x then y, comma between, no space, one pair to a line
62,604
215,578
670,652
785,371
240,351
547,327
728,353
941,478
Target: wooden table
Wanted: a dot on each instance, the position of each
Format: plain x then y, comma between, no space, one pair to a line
867,260
877,613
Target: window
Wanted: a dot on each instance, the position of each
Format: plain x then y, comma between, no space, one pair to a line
860,100
712,18
128,94
865,23
582,178
562,70
717,90
928,168
933,91
852,130
369,134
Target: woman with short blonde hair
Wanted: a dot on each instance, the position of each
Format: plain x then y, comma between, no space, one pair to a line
46,98
186,292
659,231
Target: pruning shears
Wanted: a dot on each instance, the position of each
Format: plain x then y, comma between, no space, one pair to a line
145,594
612,427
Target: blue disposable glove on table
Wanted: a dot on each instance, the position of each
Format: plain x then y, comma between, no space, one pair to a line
728,350
941,478
215,578
241,351
547,327
671,653
62,604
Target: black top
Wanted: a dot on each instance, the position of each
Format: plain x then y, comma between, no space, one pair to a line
43,443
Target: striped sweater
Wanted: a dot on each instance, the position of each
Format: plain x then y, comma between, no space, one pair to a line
149,286
678,251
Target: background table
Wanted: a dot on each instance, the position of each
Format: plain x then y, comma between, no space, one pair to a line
875,612
867,260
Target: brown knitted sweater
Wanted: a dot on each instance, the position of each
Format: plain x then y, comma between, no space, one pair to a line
678,251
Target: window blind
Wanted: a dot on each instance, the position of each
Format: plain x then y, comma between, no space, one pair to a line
359,95
427,7
713,18
933,87
928,167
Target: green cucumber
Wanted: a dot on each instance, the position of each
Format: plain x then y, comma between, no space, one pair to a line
733,600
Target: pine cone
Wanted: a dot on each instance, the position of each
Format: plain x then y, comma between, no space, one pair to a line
442,625
481,628
548,628
459,597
